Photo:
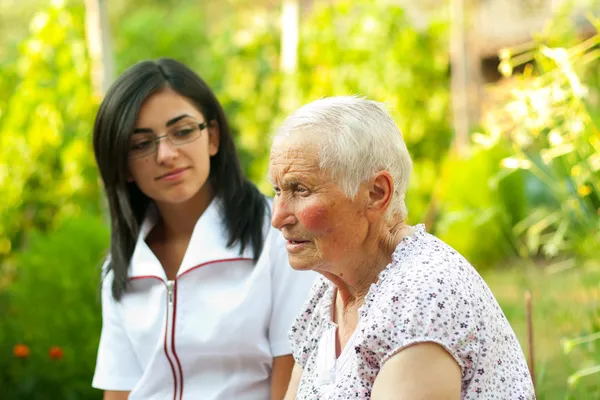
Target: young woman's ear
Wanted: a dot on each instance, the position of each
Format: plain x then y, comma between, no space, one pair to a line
214,137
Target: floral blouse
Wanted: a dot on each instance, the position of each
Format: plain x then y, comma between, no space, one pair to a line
429,293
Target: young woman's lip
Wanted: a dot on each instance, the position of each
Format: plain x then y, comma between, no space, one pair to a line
172,172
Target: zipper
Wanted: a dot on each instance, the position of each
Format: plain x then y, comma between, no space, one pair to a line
169,337
169,340
172,311
170,286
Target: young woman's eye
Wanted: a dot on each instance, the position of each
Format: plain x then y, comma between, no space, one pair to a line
142,145
184,132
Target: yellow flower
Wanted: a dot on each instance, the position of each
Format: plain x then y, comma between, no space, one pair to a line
505,68
584,190
567,345
555,138
504,54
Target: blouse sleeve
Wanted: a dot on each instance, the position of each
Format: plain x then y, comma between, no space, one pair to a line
116,366
289,291
429,305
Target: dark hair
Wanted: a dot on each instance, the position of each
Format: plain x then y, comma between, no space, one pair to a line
244,207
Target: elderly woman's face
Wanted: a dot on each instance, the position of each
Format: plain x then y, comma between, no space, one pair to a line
322,226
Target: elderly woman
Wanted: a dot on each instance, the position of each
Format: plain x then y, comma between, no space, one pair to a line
397,313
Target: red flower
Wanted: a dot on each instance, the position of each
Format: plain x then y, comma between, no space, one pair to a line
56,353
21,351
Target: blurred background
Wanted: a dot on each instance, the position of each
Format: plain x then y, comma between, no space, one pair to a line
498,100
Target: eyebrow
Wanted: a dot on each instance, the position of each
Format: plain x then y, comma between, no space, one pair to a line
169,123
287,183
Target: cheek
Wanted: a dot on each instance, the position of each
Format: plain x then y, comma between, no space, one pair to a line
139,171
199,155
316,219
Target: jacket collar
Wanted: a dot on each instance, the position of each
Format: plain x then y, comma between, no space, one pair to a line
207,244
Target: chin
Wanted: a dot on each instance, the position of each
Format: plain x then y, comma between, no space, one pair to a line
302,268
175,200
299,265
181,196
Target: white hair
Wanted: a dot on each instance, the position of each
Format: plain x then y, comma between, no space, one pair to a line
358,139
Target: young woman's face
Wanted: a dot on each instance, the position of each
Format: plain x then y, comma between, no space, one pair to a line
175,169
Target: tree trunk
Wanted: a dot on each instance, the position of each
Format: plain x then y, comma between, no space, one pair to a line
99,45
466,69
289,55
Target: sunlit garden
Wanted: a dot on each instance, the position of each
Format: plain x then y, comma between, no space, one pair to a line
520,199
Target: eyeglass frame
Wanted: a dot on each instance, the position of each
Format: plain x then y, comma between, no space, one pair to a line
201,125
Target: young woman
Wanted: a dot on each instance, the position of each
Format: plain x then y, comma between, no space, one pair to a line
198,295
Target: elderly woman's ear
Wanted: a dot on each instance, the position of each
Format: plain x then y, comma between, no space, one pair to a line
381,190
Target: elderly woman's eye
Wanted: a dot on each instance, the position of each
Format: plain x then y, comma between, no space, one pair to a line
301,190
276,190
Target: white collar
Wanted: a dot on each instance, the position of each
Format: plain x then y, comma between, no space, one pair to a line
207,244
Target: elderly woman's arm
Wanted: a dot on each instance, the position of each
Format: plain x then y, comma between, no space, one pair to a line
280,376
419,372
294,383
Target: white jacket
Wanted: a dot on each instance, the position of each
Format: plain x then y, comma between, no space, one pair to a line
209,334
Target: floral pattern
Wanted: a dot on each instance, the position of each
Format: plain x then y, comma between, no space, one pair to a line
428,293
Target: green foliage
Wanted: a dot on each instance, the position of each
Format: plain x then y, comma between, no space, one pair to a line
564,305
250,85
478,205
181,35
14,18
53,301
555,139
529,185
584,349
588,342
371,48
553,128
46,165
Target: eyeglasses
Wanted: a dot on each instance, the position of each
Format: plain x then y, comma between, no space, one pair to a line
144,144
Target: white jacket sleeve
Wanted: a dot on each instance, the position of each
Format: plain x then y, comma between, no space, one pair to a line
117,367
289,290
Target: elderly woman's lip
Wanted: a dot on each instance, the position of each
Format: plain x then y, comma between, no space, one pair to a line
295,246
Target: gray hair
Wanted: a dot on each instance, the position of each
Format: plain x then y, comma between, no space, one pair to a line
358,139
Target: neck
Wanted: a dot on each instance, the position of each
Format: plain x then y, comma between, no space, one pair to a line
353,281
178,220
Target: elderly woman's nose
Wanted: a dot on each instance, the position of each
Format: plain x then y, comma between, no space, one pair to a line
281,215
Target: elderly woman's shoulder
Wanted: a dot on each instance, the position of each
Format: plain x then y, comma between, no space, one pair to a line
427,248
422,263
427,284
